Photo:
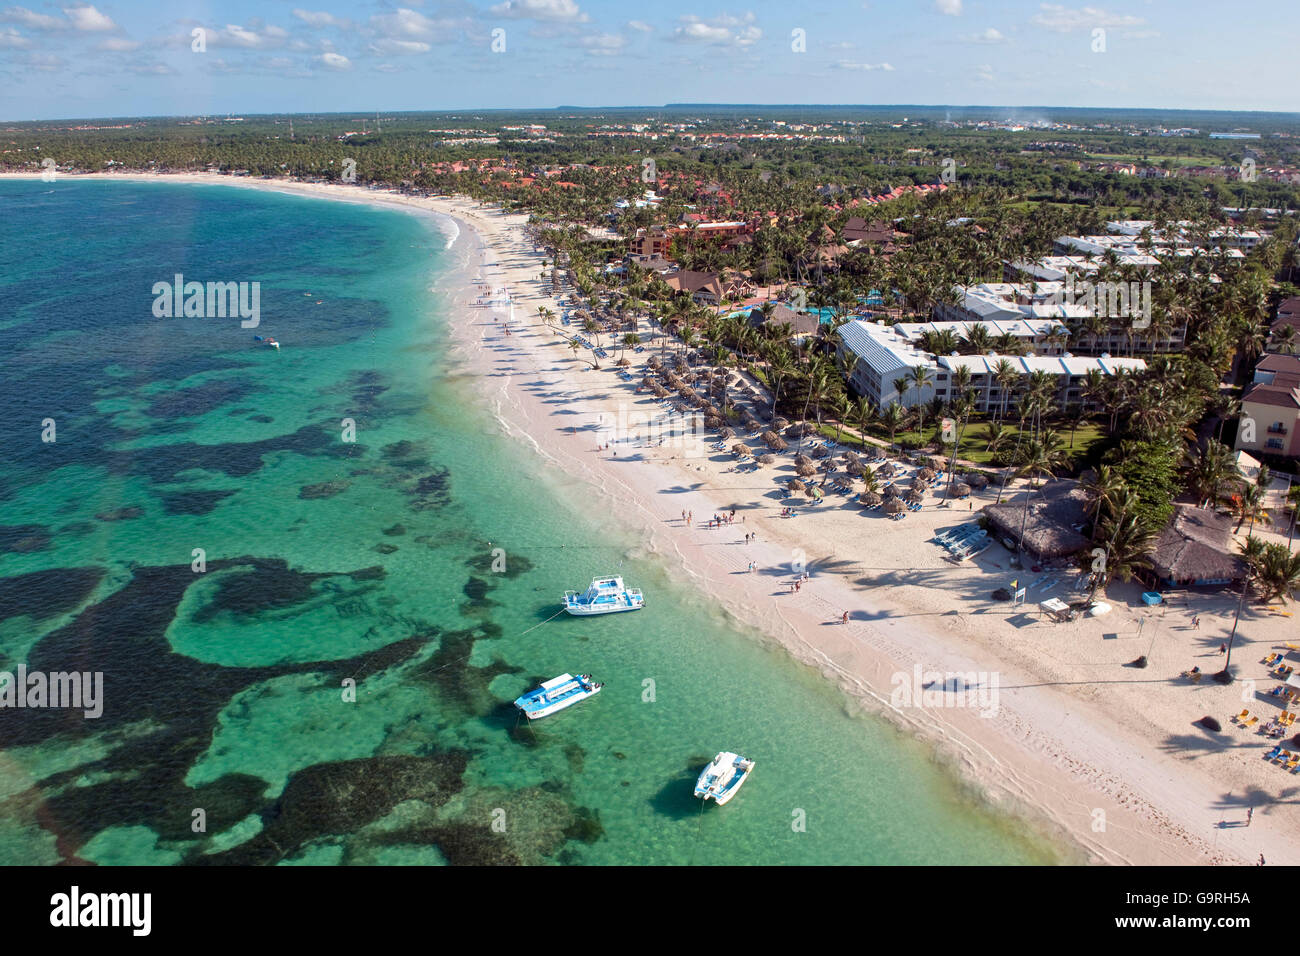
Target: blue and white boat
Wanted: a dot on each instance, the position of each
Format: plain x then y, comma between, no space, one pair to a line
606,595
720,780
557,694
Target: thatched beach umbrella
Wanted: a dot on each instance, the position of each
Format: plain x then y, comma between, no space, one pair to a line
915,497
959,490
800,429
773,440
805,471
843,481
887,470
794,484
812,491
659,390
740,448
856,468
891,490
894,506
851,455
727,433
919,484
936,464
977,479
765,459
802,459
870,499
926,474
780,424
821,451
654,361
712,421
623,362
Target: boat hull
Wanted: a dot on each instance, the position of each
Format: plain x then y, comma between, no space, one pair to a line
558,706
583,610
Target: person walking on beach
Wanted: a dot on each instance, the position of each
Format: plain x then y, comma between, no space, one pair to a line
1250,812
845,618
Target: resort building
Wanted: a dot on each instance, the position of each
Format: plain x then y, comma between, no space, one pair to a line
1272,404
703,287
877,356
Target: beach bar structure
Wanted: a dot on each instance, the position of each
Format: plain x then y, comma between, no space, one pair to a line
1053,527
1195,550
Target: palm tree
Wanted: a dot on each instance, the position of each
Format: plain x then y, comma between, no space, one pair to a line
1036,460
1293,501
920,377
1211,473
1128,547
1103,489
893,417
864,412
1251,505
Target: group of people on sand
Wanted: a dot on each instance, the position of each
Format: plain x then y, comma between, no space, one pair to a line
718,520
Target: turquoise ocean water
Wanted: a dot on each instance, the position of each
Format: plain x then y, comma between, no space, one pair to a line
226,734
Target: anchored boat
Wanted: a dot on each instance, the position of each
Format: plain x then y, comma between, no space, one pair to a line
606,595
720,780
557,694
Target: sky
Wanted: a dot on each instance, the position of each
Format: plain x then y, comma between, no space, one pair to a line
174,57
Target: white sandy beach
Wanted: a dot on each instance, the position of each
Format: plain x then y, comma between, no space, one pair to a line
1108,756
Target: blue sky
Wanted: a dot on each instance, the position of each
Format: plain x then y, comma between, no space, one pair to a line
130,58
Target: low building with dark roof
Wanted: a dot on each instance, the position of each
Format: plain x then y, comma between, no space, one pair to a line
1195,550
1053,528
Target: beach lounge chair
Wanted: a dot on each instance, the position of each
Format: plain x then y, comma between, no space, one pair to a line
1292,764
1271,660
1252,722
1243,715
1282,758
1273,753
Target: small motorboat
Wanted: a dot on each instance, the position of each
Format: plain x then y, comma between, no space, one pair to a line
722,778
557,694
605,595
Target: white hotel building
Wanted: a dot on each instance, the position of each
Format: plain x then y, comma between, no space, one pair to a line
877,355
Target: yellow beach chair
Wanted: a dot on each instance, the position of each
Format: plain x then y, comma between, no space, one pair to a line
1281,758
1271,660
1243,715
1293,763
1252,722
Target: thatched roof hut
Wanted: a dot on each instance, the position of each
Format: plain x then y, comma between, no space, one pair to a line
805,471
894,506
654,361
821,451
977,480
1056,511
1195,550
624,361
870,499
800,429
773,440
958,489
765,459
794,484
842,481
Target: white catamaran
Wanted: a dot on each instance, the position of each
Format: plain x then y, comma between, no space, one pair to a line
720,780
606,595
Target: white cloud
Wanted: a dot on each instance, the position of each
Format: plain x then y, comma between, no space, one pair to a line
319,19
386,68
151,69
89,20
724,29
984,73
33,21
561,10
117,45
404,24
387,46
334,61
1061,19
950,7
11,39
987,36
603,44
640,26
849,65
43,62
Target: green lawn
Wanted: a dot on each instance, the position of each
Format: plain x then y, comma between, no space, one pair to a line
1156,160
973,445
